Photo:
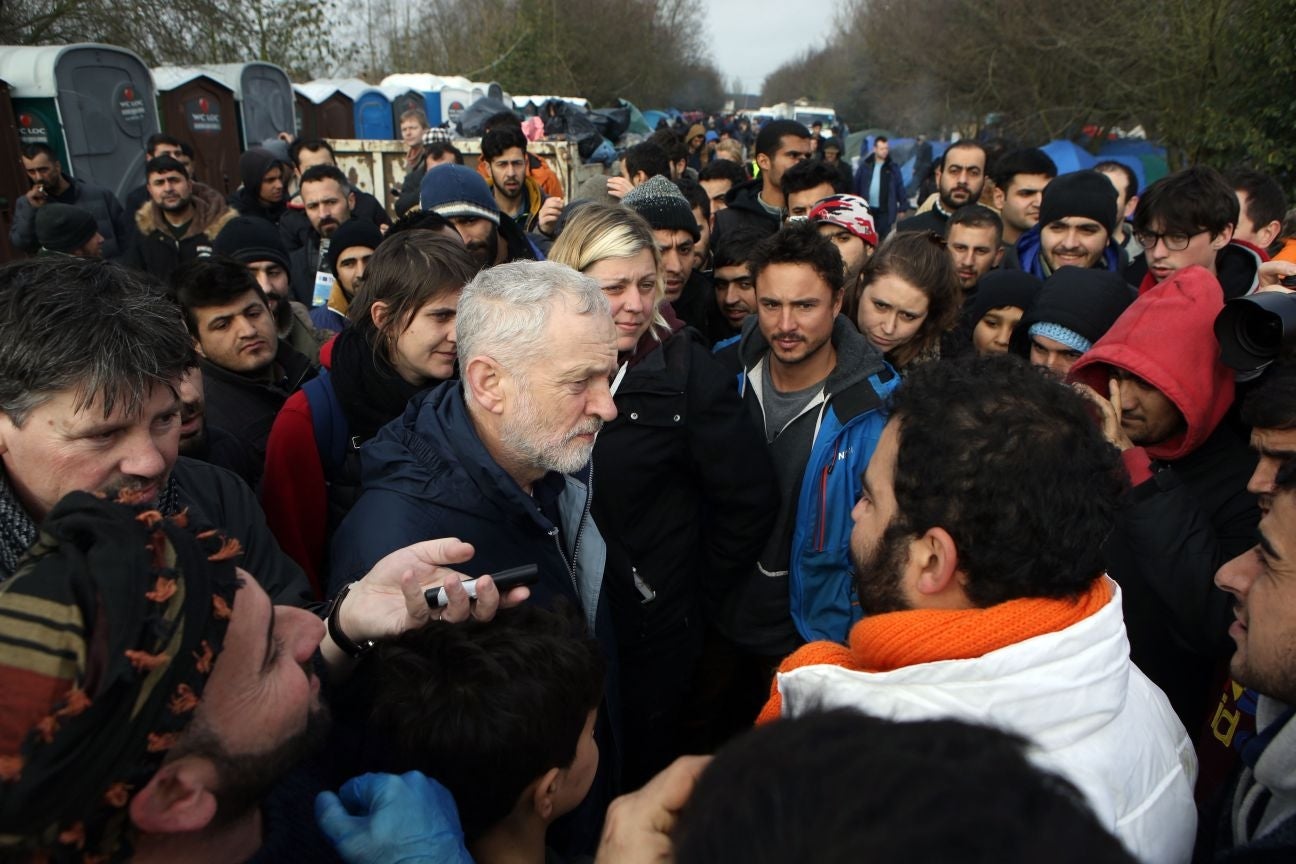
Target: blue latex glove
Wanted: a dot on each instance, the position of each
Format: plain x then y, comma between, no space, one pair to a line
385,819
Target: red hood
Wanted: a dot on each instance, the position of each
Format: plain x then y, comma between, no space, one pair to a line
1167,338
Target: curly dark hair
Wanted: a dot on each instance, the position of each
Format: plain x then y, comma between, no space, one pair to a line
800,243
1014,467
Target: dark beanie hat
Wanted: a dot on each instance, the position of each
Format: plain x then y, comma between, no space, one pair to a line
1082,300
353,232
247,239
1003,288
454,190
64,227
663,206
1081,193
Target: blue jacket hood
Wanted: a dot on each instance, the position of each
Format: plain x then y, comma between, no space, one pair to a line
1031,260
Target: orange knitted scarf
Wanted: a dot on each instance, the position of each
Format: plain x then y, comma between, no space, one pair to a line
881,643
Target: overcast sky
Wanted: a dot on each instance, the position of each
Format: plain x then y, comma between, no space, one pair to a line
752,38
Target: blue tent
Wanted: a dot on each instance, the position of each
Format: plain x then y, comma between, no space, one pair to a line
1069,156
907,169
652,118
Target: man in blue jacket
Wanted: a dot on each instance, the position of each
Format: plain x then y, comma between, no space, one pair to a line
817,390
877,181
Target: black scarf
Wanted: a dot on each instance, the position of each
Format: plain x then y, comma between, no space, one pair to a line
370,391
18,531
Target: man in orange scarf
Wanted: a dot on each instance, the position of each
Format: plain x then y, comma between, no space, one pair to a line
977,550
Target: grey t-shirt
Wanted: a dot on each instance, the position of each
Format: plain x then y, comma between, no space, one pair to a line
780,408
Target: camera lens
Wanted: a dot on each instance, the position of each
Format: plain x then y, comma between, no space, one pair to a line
1260,333
1253,330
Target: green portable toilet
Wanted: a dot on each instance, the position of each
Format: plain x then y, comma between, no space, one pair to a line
92,104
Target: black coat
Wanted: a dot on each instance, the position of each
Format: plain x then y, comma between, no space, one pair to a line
1173,532
244,406
687,496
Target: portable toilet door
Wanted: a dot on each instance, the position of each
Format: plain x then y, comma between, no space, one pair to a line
13,180
305,110
334,110
201,110
93,104
373,114
425,84
264,96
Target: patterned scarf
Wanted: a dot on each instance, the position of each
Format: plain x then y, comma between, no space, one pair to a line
18,531
109,629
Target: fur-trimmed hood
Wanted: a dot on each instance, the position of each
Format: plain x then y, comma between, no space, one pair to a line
210,214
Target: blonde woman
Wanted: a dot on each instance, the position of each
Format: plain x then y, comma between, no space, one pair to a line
686,492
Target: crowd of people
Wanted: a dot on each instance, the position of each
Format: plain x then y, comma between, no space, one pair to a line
954,500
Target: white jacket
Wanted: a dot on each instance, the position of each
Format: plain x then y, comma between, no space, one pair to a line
1092,716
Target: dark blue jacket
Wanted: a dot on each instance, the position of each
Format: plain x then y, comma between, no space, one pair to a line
427,474
891,192
1030,259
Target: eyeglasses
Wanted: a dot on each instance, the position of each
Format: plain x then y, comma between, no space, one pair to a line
1173,242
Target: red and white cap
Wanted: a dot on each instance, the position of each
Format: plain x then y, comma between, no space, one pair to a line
850,212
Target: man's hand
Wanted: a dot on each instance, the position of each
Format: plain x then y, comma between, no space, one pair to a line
550,210
618,186
1110,411
639,825
384,818
37,196
389,600
1271,274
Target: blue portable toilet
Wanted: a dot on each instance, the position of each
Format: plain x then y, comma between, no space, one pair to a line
94,105
444,99
373,110
403,99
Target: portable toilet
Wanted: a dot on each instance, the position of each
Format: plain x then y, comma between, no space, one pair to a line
403,99
494,91
264,96
429,86
92,104
373,111
333,110
456,95
197,108
13,180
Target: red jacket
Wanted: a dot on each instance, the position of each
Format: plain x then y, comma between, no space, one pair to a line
1167,338
293,492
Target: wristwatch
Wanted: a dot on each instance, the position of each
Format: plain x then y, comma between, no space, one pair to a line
351,649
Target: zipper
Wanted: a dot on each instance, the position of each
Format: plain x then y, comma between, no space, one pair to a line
580,530
823,493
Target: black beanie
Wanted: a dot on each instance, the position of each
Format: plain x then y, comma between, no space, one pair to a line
247,239
1083,300
64,227
1081,193
1003,288
353,232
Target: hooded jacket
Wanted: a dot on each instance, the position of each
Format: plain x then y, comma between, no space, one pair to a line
537,169
113,222
1029,255
156,249
1255,826
254,164
1091,715
427,474
745,208
535,198
1188,511
802,588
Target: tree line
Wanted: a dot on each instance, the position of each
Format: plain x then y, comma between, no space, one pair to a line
1213,80
652,52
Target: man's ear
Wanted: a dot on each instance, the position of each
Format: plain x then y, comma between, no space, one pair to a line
933,572
763,161
486,381
999,253
198,347
177,798
351,199
1268,234
1220,240
1000,198
544,794
1130,206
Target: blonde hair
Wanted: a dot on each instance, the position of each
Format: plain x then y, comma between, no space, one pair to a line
597,232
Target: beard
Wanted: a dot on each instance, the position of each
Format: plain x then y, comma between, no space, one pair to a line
879,570
244,780
524,435
484,252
